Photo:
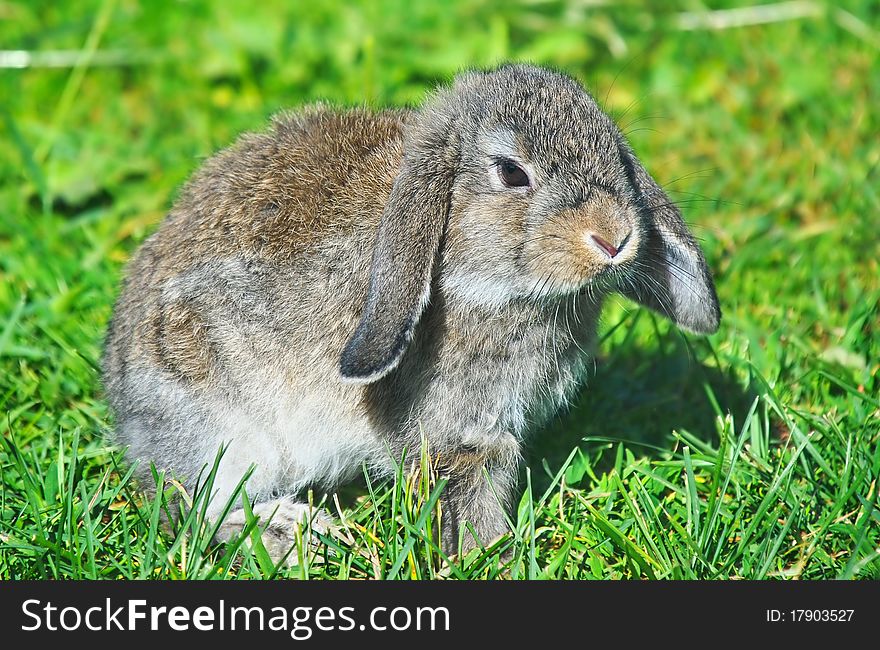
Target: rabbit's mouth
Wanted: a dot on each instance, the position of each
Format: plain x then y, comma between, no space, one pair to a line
609,279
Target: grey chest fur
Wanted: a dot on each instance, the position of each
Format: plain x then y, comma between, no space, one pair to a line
488,375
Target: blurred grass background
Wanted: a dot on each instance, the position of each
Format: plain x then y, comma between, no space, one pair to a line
762,120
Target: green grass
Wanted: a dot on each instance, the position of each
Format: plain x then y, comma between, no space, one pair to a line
754,453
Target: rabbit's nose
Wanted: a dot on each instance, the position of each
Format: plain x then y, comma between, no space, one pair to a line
607,246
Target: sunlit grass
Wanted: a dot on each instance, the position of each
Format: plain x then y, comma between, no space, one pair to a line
754,453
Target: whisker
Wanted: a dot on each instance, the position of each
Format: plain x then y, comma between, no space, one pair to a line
689,175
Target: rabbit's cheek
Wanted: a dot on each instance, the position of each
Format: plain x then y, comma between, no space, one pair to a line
480,260
478,289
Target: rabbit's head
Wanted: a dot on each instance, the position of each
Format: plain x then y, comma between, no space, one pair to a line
514,185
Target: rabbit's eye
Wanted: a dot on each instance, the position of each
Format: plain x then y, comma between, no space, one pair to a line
512,175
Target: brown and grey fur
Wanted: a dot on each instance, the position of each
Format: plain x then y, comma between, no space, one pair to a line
326,293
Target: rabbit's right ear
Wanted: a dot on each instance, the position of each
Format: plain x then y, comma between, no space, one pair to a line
407,244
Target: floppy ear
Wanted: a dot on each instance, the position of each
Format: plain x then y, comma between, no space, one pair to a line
407,243
673,277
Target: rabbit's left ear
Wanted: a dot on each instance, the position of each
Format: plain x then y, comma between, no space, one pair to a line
406,248
673,277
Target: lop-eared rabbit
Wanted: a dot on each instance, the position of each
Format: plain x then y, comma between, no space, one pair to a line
331,292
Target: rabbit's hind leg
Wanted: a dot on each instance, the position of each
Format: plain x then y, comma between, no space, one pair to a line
282,522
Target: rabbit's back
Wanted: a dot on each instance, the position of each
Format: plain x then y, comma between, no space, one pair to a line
273,194
305,189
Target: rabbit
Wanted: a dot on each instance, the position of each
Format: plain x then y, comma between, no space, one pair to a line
324,295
